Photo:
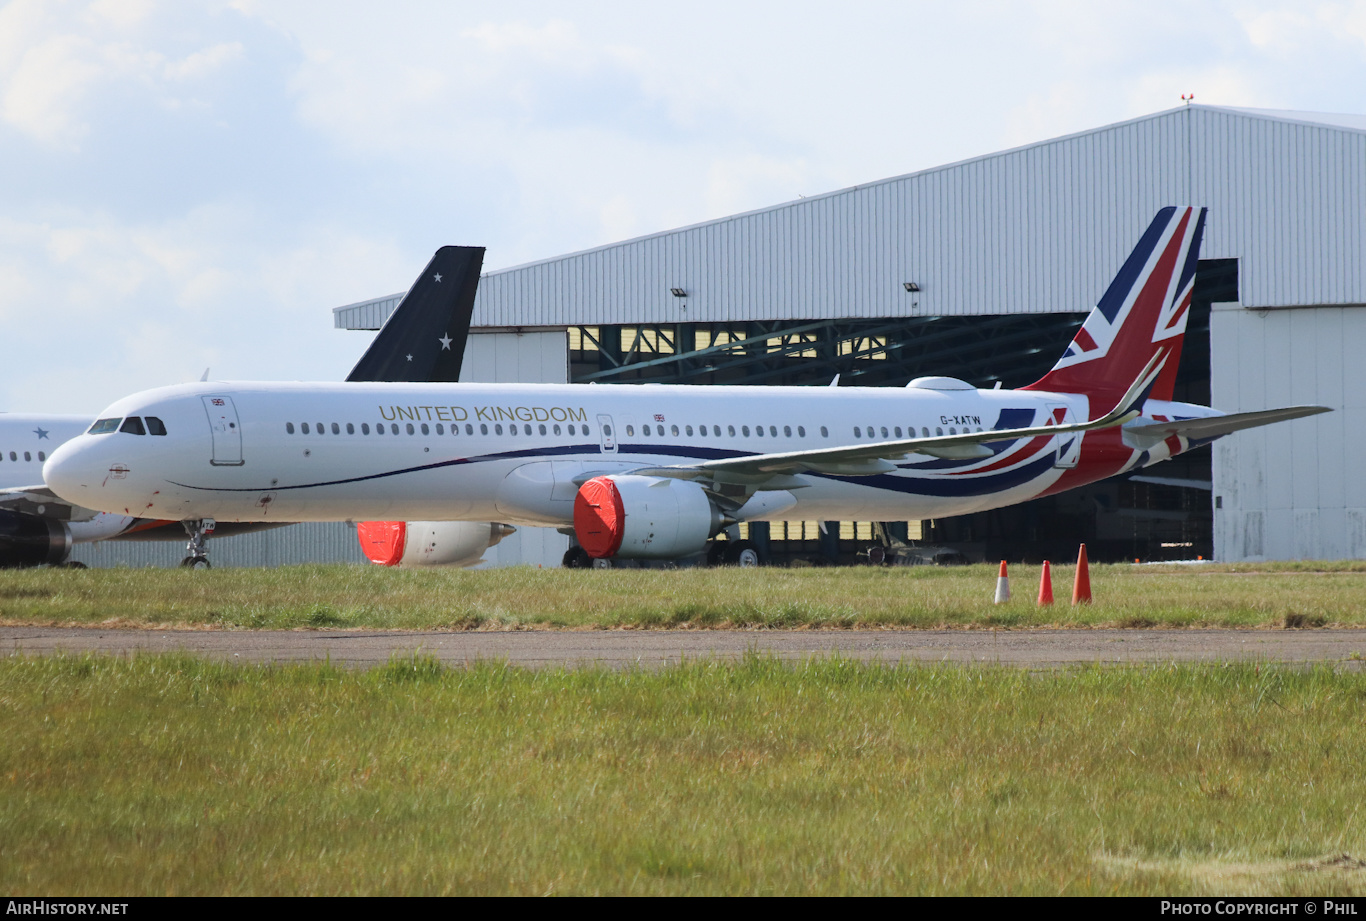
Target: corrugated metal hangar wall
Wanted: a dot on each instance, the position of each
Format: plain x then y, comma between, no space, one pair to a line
1037,230
1040,230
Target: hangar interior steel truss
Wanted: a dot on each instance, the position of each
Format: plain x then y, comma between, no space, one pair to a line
1160,513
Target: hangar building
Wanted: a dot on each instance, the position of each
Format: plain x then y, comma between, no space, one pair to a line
983,269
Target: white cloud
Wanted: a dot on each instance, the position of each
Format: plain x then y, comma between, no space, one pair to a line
197,183
122,13
42,93
203,62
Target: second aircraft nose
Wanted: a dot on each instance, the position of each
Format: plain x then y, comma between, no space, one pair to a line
79,473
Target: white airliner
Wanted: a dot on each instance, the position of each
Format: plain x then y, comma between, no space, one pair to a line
656,471
35,526
423,339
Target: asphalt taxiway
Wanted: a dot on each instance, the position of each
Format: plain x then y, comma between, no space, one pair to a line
654,648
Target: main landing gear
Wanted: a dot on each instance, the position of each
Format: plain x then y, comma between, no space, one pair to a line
196,553
740,553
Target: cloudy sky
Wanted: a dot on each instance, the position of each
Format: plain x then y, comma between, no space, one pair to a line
188,185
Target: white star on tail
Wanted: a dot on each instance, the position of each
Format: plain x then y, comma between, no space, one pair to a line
445,342
437,276
410,358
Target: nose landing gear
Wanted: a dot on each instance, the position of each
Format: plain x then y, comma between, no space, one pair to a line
196,552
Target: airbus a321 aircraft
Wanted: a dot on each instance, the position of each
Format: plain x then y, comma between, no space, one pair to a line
656,471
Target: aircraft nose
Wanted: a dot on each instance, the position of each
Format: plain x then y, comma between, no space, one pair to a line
68,471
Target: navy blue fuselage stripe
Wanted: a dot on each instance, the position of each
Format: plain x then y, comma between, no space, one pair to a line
1014,419
1118,291
959,486
455,462
1008,419
669,450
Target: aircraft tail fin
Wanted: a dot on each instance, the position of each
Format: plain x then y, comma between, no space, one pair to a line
1143,312
424,338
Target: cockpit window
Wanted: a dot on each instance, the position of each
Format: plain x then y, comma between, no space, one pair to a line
133,426
104,426
155,426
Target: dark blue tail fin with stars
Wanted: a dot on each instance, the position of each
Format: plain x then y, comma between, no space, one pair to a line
424,338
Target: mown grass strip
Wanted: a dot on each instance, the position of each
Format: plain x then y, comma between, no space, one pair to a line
922,597
176,775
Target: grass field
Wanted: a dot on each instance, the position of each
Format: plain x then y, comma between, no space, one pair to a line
1269,595
172,775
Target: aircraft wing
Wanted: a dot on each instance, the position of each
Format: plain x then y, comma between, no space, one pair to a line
43,502
1215,426
878,457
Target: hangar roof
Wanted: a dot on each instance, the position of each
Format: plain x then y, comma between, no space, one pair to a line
1035,229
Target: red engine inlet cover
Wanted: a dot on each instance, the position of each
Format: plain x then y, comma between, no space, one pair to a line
383,541
599,519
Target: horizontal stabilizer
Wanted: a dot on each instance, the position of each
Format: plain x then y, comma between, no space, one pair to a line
1215,426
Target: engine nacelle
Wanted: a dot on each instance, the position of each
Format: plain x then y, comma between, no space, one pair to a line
27,540
429,543
644,517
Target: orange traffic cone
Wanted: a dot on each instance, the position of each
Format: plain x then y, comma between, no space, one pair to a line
1081,588
1046,585
1002,585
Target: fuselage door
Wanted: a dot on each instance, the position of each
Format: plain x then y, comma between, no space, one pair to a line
227,432
1067,446
609,435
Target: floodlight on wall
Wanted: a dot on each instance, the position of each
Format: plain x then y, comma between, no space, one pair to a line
678,292
910,286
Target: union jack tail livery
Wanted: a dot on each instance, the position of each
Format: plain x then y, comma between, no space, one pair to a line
1143,313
